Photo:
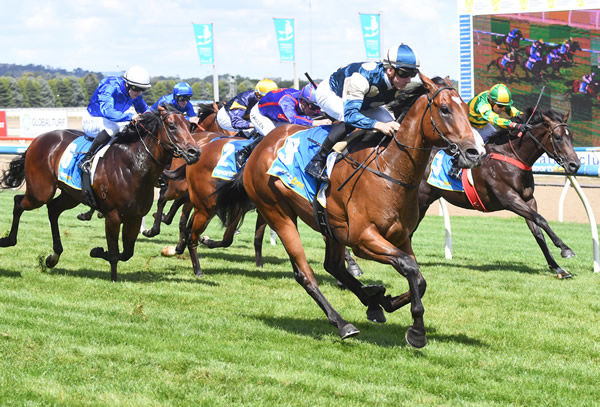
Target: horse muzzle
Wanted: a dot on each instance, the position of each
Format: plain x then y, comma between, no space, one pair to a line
191,155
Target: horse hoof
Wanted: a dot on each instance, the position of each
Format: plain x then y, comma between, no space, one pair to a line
562,274
149,233
179,249
348,331
97,252
52,260
354,270
567,253
168,251
340,285
199,273
415,338
375,314
84,216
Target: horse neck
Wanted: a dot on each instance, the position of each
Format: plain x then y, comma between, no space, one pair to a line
406,157
151,155
524,149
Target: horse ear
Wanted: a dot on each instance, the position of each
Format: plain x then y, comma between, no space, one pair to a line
162,110
448,81
426,81
566,117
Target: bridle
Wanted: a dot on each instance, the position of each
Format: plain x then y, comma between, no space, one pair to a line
172,149
554,155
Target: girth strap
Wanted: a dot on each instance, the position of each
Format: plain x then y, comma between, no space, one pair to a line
510,160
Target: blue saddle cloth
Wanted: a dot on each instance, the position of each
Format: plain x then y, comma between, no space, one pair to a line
68,172
438,177
226,167
293,157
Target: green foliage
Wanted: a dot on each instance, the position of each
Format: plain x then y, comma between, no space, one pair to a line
5,93
502,330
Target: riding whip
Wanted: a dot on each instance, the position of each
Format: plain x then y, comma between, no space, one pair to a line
534,109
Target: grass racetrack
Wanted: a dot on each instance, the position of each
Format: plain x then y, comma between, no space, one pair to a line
502,330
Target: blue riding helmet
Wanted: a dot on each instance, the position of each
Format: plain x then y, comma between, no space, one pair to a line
402,58
308,93
182,89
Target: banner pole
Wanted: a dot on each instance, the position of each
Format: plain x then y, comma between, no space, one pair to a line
296,81
215,84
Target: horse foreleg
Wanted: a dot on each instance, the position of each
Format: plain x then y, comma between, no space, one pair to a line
160,206
112,225
539,238
259,234
129,235
227,239
352,266
55,207
183,227
197,225
177,203
86,215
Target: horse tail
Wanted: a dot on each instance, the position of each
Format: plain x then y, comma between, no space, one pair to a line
232,200
175,175
14,176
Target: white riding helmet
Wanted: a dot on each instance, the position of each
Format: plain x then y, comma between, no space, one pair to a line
137,76
401,57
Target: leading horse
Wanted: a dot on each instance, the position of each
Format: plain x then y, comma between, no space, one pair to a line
505,179
123,181
375,211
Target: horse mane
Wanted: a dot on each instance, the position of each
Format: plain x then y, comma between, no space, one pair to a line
149,122
501,136
407,97
206,109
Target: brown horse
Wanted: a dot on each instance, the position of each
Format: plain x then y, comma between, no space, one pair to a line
123,182
507,183
376,210
207,116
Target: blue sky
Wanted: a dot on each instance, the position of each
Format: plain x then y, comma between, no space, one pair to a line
111,35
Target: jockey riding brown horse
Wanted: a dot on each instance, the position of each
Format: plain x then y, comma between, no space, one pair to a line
375,212
123,181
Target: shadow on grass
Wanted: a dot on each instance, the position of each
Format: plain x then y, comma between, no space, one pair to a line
10,273
384,335
496,266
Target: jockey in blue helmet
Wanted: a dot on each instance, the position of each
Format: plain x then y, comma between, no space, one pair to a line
354,94
180,100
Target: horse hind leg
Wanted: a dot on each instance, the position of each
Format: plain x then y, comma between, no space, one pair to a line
22,203
259,234
55,207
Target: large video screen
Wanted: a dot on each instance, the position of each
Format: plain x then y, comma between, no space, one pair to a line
564,59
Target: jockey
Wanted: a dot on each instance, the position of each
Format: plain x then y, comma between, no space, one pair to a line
353,95
508,61
552,56
514,34
586,80
235,114
180,100
108,105
537,46
565,47
484,115
281,106
532,60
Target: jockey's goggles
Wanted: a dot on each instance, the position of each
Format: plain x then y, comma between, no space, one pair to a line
310,105
183,97
136,89
406,73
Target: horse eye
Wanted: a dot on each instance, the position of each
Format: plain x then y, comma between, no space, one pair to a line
444,110
172,126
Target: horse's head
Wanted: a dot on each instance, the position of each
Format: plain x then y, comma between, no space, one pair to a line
553,135
174,135
575,46
450,127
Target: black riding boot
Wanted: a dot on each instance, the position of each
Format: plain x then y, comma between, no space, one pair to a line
316,166
242,154
454,171
99,141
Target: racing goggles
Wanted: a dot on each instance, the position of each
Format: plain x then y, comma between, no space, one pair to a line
136,89
406,73
182,98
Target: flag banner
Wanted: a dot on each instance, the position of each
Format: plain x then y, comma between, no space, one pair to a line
203,34
284,31
370,29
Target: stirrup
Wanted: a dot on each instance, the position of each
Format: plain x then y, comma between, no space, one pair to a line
85,164
317,171
454,172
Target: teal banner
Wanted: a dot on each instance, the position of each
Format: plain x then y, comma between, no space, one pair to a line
203,33
371,34
284,30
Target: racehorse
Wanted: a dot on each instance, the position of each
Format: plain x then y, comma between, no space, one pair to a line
592,90
505,180
123,182
375,211
513,44
509,69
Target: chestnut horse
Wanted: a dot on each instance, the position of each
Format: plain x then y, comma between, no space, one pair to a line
376,209
123,182
505,180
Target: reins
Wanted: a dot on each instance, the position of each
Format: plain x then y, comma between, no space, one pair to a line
541,146
175,151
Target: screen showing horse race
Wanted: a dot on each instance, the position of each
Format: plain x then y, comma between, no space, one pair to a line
557,50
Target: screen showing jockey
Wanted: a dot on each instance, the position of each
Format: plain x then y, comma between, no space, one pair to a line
484,115
281,106
565,47
180,100
552,57
532,60
586,80
235,114
508,61
514,34
354,96
108,106
538,46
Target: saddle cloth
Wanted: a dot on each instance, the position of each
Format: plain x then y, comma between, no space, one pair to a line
226,168
68,171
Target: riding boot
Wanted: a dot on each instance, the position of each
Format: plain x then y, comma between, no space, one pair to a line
316,166
242,154
99,141
454,171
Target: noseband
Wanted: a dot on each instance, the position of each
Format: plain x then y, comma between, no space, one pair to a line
173,151
451,148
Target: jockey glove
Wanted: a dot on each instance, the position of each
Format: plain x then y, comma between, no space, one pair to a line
519,126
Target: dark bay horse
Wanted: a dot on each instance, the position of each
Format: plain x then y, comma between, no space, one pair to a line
123,182
507,183
375,212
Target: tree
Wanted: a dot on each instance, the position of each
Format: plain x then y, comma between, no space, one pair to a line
5,93
77,96
17,96
46,95
90,83
53,84
201,91
32,90
65,92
